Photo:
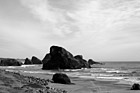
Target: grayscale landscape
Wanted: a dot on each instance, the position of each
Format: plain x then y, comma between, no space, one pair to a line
69,46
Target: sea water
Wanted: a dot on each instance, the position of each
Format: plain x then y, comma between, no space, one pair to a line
125,72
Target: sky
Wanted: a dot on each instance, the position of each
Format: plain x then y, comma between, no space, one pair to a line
104,30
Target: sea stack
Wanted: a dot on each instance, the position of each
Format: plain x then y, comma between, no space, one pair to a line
36,60
27,61
60,58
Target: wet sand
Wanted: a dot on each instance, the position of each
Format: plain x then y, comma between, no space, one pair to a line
11,84
91,86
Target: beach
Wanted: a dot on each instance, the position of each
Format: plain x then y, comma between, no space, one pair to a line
11,82
94,80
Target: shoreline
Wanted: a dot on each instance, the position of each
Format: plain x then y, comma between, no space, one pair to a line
81,85
12,82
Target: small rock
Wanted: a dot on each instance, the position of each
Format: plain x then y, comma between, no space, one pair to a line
61,78
135,86
35,60
27,61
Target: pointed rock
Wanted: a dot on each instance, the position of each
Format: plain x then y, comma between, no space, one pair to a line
28,61
35,60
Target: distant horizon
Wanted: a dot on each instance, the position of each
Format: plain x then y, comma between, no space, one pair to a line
85,59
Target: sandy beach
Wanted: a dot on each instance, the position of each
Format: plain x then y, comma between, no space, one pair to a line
92,86
11,82
19,83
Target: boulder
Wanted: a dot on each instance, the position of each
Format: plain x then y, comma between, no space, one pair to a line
59,58
35,60
61,78
91,62
135,86
27,61
82,61
10,62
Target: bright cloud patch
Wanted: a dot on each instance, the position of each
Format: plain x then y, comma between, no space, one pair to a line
66,17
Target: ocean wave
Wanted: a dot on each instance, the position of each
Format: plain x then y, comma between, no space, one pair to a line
38,72
28,66
8,66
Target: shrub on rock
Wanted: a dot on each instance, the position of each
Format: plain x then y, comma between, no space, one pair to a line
61,78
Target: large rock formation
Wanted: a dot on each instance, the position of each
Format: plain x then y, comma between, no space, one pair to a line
10,62
61,78
27,61
59,58
35,60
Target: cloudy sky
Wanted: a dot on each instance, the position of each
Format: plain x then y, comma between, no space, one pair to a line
99,29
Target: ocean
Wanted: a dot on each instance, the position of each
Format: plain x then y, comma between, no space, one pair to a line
125,72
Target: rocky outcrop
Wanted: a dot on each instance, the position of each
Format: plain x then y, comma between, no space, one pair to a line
61,78
91,62
27,61
10,62
82,61
35,60
59,58
135,86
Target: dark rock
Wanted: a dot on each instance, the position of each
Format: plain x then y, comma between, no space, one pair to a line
46,58
91,62
78,57
59,58
35,60
10,62
28,61
135,86
82,61
61,78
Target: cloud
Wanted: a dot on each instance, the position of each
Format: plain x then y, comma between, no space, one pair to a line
65,18
91,27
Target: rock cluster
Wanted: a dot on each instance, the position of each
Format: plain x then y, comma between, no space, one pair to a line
10,62
34,60
60,58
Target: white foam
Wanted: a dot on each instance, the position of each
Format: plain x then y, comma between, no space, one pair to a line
27,65
72,70
11,67
133,80
116,71
116,78
7,67
11,70
35,72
